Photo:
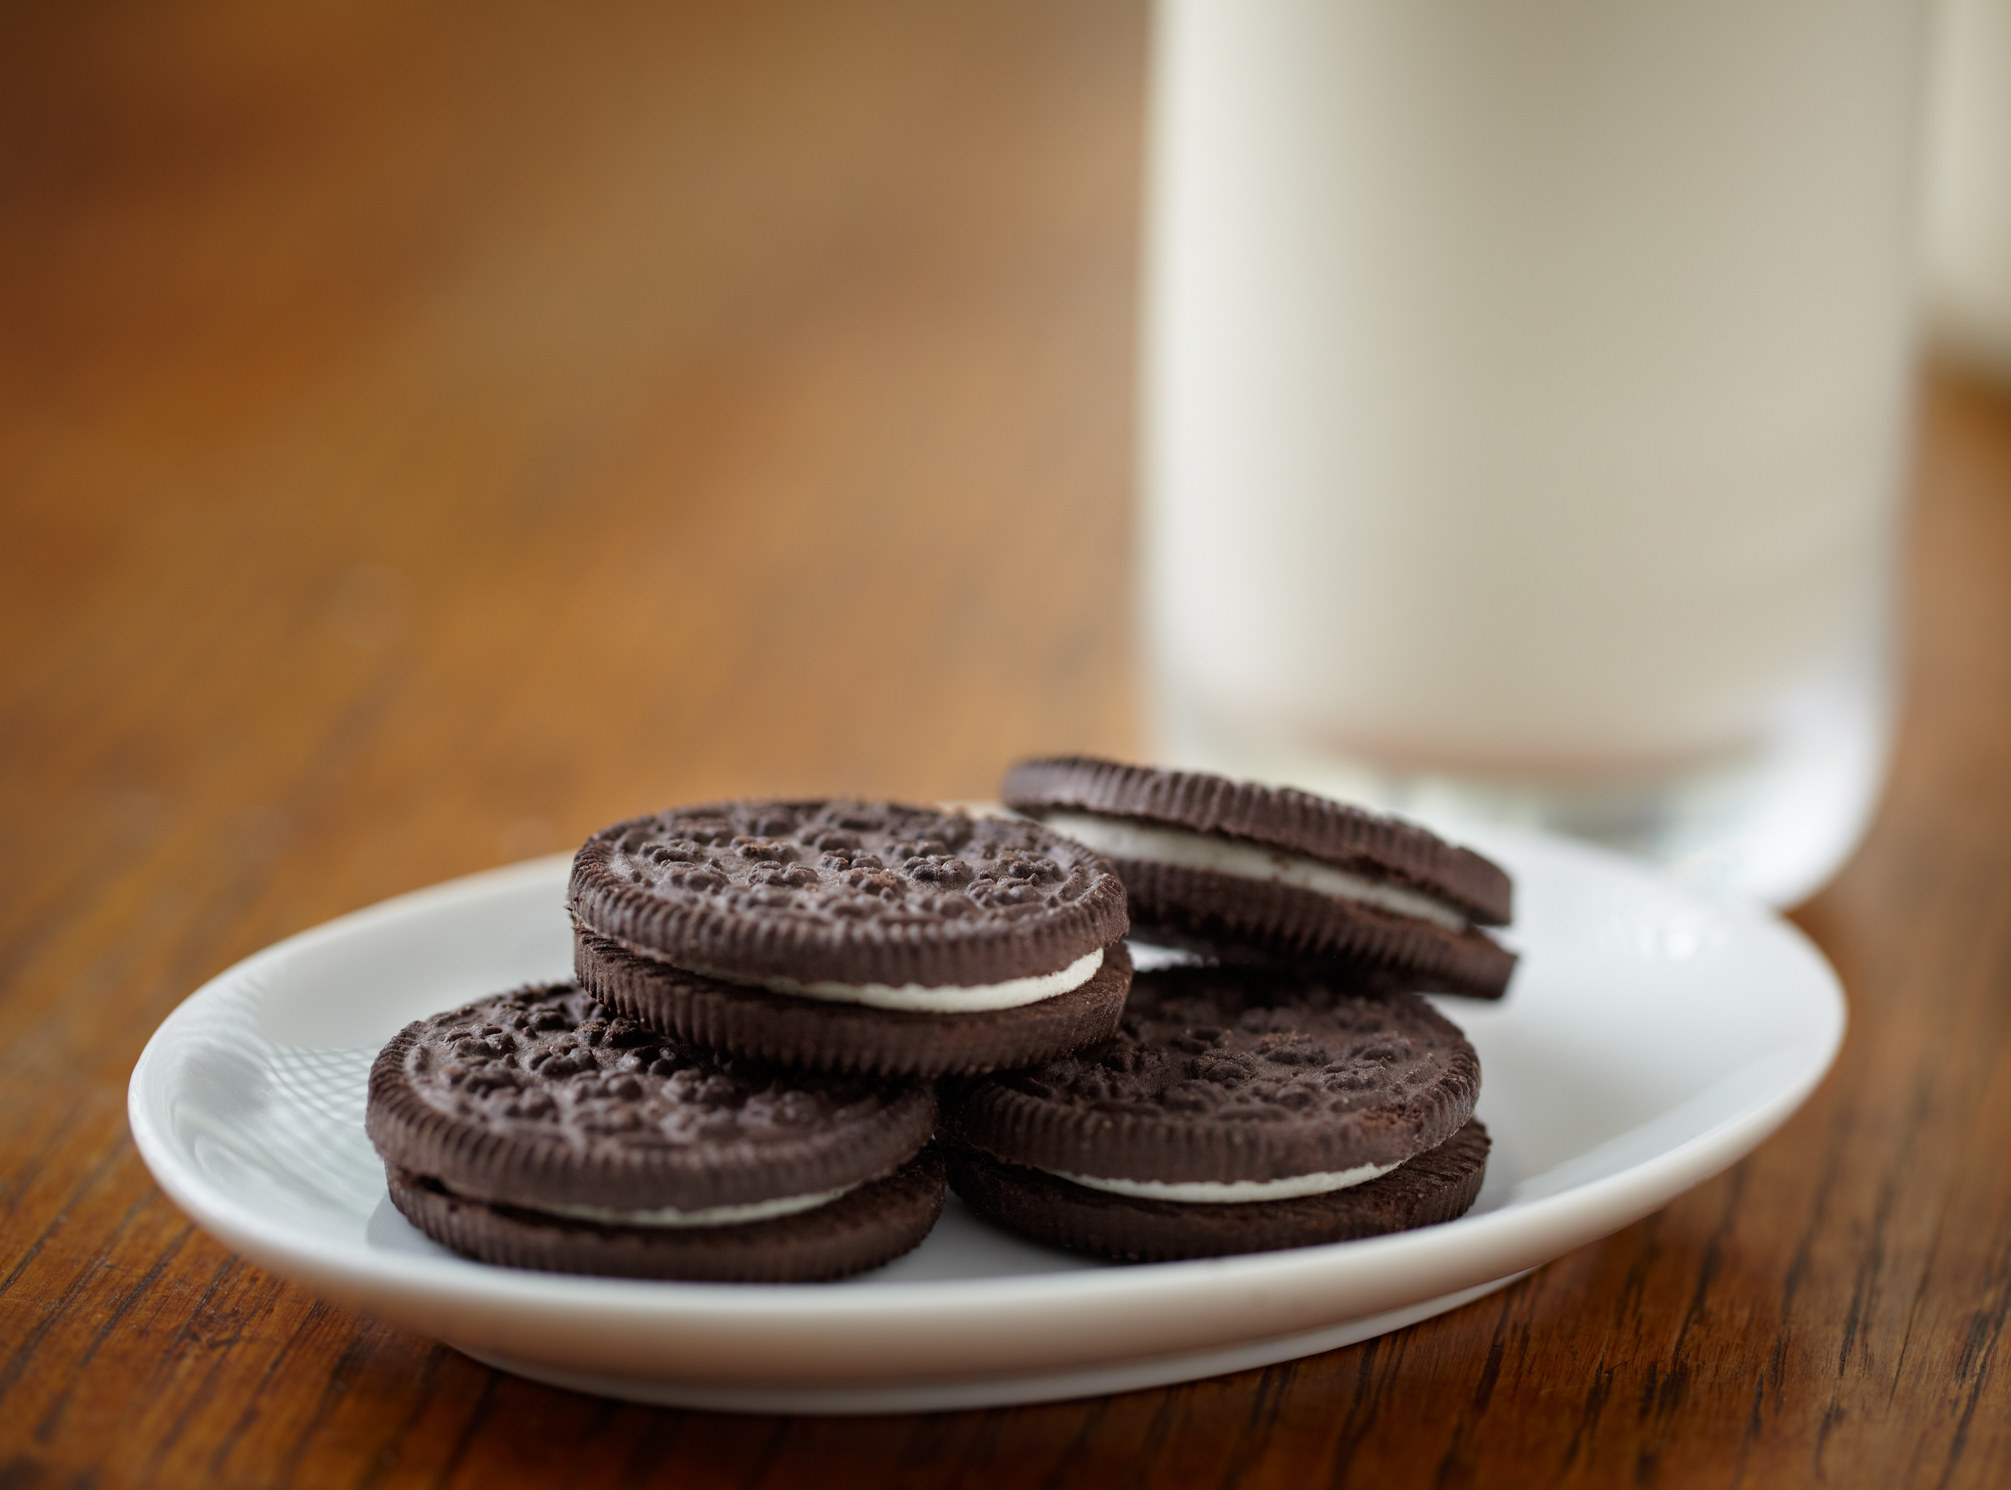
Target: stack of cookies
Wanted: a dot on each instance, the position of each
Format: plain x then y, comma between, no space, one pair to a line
741,1084
778,1005
1288,1088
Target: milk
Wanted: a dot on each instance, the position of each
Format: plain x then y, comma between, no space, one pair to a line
1968,240
1525,381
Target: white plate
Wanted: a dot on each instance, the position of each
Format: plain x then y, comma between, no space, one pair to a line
1651,1038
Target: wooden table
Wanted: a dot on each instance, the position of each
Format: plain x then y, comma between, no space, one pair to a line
430,432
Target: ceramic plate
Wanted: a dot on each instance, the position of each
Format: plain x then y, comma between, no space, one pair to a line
1651,1038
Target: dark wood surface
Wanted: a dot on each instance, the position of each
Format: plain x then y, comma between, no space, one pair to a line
429,432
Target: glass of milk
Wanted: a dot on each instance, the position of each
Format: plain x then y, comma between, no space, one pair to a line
1526,395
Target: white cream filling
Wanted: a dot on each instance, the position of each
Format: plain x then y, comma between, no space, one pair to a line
717,1215
1232,1192
1189,850
922,998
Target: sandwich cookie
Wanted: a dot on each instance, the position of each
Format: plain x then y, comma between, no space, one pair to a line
1256,873
852,936
1237,1110
538,1129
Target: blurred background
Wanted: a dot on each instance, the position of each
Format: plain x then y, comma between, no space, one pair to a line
431,433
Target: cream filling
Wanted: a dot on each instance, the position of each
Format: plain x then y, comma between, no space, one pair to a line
717,1215
922,998
1232,1192
1189,850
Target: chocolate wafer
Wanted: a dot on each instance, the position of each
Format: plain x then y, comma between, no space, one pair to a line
541,1129
1245,872
1237,1109
853,936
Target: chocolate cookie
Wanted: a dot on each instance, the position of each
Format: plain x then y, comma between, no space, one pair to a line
1259,873
845,1037
853,936
861,1229
540,1129
1436,1186
1237,1109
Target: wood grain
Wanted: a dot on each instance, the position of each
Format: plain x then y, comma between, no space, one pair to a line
429,432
